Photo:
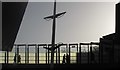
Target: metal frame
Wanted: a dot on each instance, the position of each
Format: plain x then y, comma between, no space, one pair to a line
88,49
68,51
74,44
39,51
95,43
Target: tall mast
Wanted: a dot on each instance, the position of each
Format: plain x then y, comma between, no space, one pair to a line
53,35
52,49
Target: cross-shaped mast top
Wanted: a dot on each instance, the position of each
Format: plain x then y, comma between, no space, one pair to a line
54,16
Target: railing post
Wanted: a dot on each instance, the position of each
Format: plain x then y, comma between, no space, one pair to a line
5,58
59,55
25,54
79,57
69,54
56,56
91,56
38,53
88,54
47,55
17,54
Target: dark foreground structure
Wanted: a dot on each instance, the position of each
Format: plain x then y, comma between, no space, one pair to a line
62,67
12,14
109,45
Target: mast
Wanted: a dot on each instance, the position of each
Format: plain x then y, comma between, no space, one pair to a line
53,35
52,49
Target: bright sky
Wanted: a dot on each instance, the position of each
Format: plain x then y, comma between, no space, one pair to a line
83,22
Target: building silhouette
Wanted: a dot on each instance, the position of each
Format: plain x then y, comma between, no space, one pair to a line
108,53
110,44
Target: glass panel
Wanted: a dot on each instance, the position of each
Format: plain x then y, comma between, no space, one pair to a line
32,61
73,49
42,62
22,53
84,48
43,58
11,57
2,56
60,61
41,49
73,52
84,54
73,61
95,50
31,54
42,55
1,61
63,50
31,58
73,58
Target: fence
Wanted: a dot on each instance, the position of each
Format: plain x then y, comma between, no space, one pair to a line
36,54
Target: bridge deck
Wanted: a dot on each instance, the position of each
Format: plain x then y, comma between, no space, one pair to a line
60,66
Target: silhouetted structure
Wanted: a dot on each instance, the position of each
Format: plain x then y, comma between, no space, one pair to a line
53,31
109,50
92,59
53,48
110,44
12,14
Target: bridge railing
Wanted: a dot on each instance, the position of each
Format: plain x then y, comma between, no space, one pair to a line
36,54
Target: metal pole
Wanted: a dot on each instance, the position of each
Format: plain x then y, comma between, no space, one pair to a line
47,55
80,52
17,53
36,59
25,54
91,54
38,53
5,57
56,56
53,36
69,53
59,55
88,54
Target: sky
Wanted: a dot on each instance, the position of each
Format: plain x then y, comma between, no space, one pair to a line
83,22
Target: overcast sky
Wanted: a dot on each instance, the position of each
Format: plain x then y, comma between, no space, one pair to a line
83,22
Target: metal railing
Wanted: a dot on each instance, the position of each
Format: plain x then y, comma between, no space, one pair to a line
36,54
